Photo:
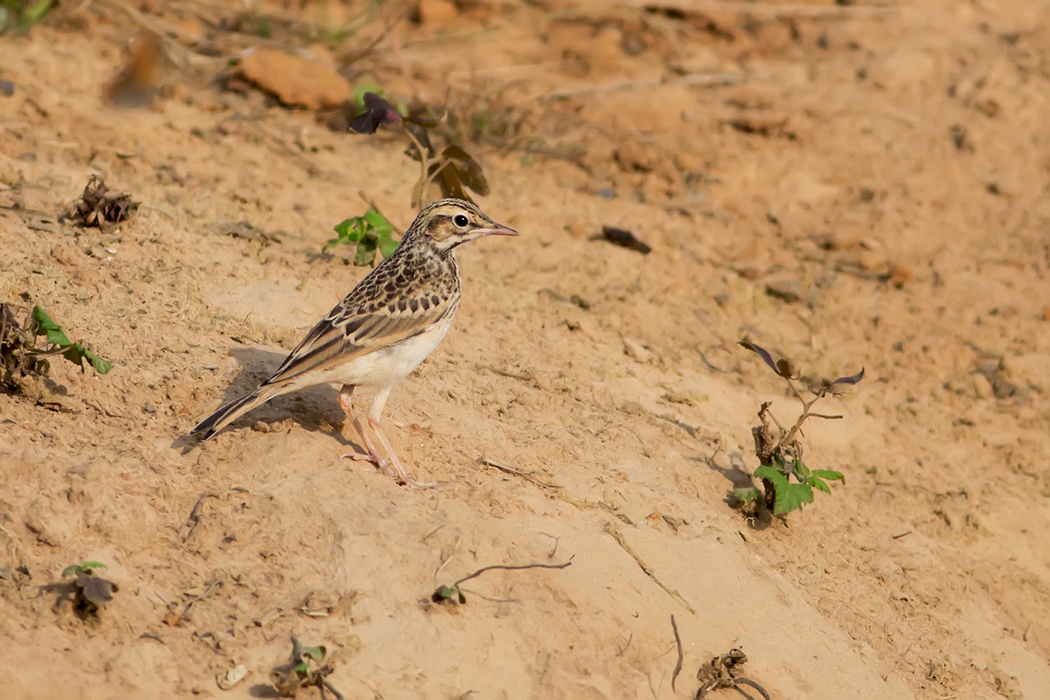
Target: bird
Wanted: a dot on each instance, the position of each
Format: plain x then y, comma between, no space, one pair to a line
382,330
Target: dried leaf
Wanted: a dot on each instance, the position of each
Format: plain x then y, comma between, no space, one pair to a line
850,380
470,172
787,368
762,352
625,239
95,590
451,185
98,206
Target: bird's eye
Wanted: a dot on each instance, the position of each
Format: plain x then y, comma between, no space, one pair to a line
460,220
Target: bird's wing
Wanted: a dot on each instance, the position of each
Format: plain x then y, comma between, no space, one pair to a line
361,324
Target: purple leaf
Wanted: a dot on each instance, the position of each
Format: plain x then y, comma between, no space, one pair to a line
762,352
377,112
850,380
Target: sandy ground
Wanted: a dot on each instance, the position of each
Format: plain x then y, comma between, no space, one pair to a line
888,168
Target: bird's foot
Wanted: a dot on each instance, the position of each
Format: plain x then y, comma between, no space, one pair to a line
390,469
380,463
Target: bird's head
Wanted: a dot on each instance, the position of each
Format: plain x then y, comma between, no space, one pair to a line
449,223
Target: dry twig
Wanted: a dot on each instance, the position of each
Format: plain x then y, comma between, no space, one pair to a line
678,643
622,541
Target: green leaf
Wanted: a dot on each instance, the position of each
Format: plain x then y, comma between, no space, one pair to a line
302,668
52,330
101,366
82,567
768,471
792,498
316,653
446,592
829,474
789,496
802,468
74,352
818,483
350,230
36,13
366,252
746,495
370,232
378,223
387,246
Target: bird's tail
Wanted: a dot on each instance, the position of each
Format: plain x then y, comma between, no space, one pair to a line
230,412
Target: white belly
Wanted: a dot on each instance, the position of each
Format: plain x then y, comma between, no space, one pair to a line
384,367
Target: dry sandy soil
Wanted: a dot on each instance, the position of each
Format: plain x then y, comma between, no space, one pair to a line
847,185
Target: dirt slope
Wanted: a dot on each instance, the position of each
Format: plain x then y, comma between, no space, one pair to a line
889,169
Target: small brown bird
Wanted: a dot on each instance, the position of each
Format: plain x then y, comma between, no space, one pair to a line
383,329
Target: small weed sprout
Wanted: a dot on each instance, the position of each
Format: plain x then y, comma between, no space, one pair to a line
779,452
19,355
370,232
62,345
91,592
303,670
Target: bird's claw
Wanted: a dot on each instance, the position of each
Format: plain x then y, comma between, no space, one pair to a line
380,463
384,466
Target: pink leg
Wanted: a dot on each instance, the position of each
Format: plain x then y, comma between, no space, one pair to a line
345,403
374,412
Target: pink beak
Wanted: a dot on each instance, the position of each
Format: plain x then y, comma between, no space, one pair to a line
495,230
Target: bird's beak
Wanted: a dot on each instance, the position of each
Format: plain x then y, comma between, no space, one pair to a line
495,230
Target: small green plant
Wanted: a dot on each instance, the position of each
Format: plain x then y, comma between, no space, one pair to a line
316,653
370,232
20,15
84,567
787,483
91,592
304,669
62,345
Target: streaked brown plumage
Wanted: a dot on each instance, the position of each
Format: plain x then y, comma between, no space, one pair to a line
383,329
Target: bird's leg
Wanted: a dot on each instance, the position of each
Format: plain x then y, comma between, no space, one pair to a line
374,413
346,403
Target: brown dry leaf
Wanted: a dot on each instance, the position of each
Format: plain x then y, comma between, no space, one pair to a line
98,206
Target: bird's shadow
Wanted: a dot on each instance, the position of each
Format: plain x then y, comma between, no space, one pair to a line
735,472
316,409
